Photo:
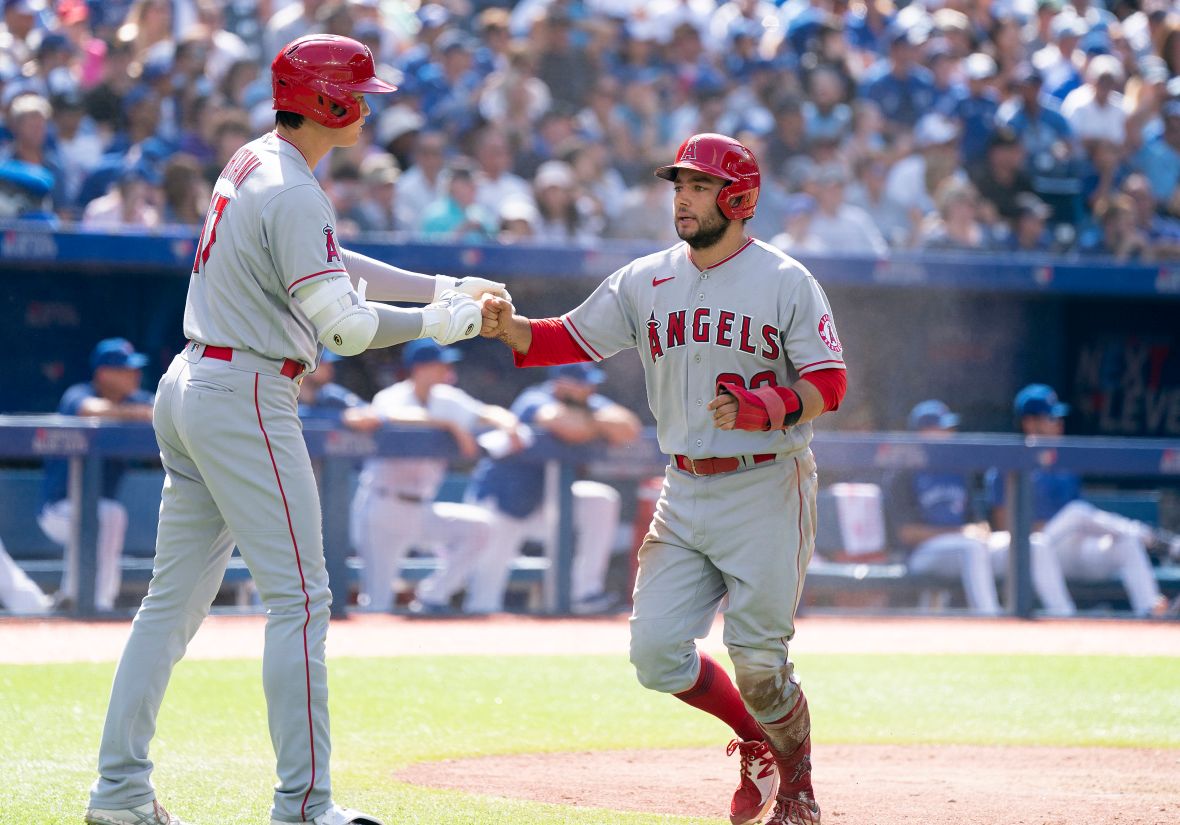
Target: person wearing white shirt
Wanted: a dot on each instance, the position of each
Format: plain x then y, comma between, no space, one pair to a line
1095,110
394,508
839,226
423,183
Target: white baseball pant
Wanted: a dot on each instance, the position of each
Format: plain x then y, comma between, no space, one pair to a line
57,522
385,527
19,593
595,522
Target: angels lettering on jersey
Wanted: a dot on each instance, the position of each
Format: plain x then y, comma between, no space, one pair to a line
720,327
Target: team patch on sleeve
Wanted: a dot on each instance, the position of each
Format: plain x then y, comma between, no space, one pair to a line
827,333
331,251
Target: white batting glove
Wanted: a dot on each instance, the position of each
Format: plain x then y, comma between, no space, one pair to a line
469,286
454,317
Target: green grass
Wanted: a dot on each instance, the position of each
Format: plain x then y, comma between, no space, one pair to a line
214,759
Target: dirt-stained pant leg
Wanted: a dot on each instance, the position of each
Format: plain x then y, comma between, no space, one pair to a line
761,538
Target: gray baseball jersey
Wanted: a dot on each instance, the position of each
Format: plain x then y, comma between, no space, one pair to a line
238,473
270,229
755,318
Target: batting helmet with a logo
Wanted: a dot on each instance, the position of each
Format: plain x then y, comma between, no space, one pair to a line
725,158
316,76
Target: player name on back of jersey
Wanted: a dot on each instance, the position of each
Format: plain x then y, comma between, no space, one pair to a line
240,166
723,328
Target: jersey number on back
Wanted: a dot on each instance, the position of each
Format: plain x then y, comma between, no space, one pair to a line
216,209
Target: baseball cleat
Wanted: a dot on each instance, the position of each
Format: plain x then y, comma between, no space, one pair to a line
336,816
150,813
797,809
759,782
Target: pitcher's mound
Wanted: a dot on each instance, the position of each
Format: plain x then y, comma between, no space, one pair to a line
855,784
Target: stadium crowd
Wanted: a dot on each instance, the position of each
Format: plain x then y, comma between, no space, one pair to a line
966,125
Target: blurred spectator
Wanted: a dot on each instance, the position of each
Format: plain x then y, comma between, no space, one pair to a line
25,192
131,202
228,129
402,491
19,34
868,192
458,215
513,97
825,114
377,208
423,182
449,87
1159,160
28,121
1118,235
495,181
1162,233
1028,229
643,214
113,393
552,139
519,220
789,136
1048,143
399,128
148,29
957,226
1058,60
974,106
568,409
79,147
944,70
289,21
902,87
796,238
602,185
185,193
1000,178
1102,170
913,180
838,226
561,64
564,214
1095,109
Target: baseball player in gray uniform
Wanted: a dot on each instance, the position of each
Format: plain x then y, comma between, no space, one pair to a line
740,353
270,285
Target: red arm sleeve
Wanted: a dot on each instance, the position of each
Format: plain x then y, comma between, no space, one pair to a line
552,344
831,385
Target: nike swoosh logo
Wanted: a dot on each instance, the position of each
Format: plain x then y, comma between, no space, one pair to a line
658,281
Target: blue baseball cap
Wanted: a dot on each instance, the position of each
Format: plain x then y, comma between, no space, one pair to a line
1039,399
583,372
932,413
116,352
428,351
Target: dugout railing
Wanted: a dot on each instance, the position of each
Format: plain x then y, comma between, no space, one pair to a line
336,452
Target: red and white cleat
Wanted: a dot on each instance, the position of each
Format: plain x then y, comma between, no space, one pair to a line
759,782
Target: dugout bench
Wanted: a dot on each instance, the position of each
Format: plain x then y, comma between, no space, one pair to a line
86,443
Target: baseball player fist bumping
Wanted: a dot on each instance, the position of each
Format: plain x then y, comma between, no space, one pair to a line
453,317
740,353
270,285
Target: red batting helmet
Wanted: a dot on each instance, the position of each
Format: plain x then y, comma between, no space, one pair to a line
725,158
316,76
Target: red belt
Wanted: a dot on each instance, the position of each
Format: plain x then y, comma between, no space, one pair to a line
291,368
713,466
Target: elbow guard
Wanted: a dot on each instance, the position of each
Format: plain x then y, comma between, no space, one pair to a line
344,323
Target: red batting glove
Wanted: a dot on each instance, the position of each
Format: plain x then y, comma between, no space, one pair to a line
764,408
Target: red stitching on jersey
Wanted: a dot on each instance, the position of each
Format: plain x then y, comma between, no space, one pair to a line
582,338
312,275
297,149
817,363
723,260
306,598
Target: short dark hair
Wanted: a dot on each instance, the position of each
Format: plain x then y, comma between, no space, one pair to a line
288,119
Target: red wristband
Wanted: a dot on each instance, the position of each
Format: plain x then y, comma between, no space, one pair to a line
552,344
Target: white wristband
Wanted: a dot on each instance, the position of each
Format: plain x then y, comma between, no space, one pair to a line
441,284
433,322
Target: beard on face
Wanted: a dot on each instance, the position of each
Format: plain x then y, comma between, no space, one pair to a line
710,229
